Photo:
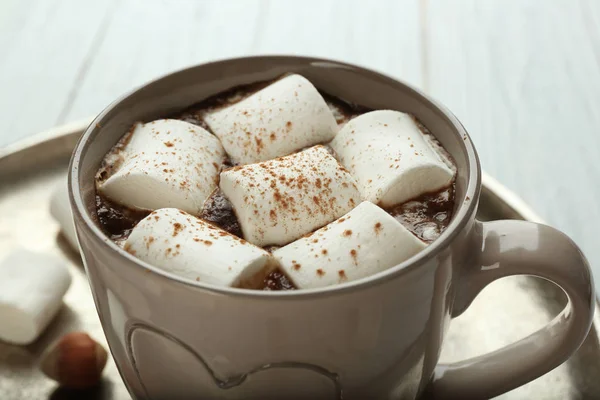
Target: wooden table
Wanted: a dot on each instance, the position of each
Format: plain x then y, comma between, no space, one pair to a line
522,75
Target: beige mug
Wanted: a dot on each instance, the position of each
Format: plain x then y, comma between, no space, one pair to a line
375,338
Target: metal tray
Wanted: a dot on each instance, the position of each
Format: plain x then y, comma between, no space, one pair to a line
504,312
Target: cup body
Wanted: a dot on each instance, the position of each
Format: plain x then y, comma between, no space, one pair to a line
379,337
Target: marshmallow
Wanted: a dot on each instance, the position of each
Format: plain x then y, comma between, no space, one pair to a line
280,200
167,163
284,117
189,247
60,209
390,158
363,242
32,287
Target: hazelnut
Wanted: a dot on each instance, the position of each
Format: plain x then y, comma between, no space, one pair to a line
74,361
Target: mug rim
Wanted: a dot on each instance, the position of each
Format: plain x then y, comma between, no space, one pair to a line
465,209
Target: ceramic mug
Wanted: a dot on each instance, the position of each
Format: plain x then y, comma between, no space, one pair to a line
376,338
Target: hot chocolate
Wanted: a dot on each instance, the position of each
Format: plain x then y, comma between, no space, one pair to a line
276,186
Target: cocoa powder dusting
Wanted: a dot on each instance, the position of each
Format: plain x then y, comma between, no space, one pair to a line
377,228
177,227
353,254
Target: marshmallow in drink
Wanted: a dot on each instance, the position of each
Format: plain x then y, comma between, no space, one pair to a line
363,242
189,247
60,209
280,200
390,158
278,120
32,287
166,163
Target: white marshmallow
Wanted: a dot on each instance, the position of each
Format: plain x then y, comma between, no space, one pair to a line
280,200
32,287
390,158
189,247
286,116
167,163
363,242
60,209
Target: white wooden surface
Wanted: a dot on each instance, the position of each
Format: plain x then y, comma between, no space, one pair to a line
522,75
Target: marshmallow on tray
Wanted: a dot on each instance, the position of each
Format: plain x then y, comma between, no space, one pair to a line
280,200
286,116
184,245
60,209
390,158
32,287
167,163
363,242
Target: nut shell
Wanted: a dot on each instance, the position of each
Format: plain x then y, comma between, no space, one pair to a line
74,361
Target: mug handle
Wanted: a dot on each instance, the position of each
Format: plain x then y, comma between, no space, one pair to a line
508,248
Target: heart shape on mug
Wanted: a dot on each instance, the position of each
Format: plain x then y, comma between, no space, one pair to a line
169,368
